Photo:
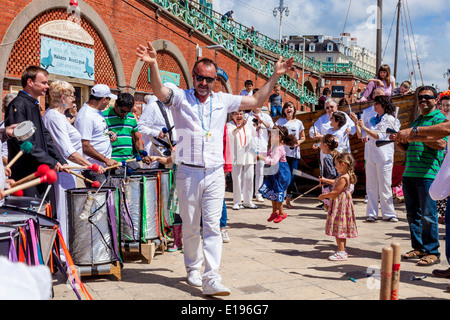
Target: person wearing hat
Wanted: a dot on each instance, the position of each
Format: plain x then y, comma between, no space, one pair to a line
95,138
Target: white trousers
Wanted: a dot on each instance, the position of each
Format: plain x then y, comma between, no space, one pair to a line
378,188
259,175
200,196
242,183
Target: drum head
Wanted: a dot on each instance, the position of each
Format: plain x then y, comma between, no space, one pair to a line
24,130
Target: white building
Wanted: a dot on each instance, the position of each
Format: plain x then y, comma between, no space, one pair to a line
334,50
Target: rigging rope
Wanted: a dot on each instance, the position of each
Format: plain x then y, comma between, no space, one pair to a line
415,46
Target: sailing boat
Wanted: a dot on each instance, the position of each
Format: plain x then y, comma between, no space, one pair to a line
408,111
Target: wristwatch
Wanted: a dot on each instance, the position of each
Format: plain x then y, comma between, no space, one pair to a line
414,130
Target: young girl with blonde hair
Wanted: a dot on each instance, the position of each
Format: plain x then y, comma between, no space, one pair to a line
341,222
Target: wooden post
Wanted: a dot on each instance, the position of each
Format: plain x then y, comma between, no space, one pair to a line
386,273
395,270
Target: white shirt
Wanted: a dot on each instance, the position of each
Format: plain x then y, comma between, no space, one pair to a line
241,144
200,126
92,126
151,122
386,152
64,134
261,140
294,127
440,188
342,137
323,124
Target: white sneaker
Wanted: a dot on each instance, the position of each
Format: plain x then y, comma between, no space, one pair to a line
259,198
194,278
225,237
215,288
236,206
250,205
338,256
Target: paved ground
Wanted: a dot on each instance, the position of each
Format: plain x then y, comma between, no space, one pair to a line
286,261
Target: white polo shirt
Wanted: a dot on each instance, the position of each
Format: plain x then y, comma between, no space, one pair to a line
92,126
200,126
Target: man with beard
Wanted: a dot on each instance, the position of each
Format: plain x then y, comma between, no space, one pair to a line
423,161
199,116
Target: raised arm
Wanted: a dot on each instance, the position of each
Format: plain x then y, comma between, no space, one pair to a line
148,54
258,99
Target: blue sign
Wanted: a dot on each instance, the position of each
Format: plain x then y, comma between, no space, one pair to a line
67,59
222,73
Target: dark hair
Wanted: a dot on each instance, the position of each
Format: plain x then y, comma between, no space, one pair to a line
206,62
340,118
343,102
286,138
247,82
446,97
125,99
331,142
386,68
92,97
430,88
386,103
31,73
285,105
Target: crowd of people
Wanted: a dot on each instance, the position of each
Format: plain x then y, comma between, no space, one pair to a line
206,135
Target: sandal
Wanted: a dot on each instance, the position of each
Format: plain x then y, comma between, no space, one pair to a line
413,254
428,260
273,216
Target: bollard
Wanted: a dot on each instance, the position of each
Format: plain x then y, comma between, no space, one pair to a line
386,273
395,270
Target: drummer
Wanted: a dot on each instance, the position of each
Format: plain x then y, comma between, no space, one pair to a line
5,172
26,107
123,123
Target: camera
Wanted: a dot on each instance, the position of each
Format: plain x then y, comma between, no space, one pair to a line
255,122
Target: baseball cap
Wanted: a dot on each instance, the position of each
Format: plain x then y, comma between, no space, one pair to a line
102,91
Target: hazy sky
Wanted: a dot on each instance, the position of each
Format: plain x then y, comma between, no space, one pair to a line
424,31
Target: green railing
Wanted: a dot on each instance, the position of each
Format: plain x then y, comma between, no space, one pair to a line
233,35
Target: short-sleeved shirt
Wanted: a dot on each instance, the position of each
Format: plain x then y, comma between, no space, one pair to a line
124,128
276,100
92,126
200,126
421,160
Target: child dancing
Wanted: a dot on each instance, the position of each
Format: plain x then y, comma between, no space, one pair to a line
341,222
278,179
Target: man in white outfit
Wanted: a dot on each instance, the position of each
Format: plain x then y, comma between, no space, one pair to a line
263,123
151,124
200,116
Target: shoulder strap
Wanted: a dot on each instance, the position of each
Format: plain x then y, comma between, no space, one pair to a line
164,113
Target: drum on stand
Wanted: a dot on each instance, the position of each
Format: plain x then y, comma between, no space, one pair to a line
92,225
143,202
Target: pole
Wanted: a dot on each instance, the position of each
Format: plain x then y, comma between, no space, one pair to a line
386,273
379,33
399,7
395,270
281,18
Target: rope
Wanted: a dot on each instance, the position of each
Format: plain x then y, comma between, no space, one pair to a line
414,41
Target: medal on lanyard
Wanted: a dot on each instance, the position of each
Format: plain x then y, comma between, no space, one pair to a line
207,133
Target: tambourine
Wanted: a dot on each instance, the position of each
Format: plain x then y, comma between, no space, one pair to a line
24,130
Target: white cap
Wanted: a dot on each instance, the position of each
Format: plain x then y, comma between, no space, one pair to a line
102,91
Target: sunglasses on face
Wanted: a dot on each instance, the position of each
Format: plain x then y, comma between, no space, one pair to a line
200,78
426,97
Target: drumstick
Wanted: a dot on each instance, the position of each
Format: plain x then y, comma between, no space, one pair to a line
24,148
41,170
304,175
50,177
95,184
380,143
165,131
307,192
94,167
124,162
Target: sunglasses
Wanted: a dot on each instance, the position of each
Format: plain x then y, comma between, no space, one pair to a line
200,78
426,97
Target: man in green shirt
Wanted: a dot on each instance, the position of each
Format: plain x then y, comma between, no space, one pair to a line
423,161
122,122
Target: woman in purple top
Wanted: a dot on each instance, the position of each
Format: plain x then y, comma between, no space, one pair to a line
383,80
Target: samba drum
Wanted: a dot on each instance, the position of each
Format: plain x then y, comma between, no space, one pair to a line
27,203
92,226
40,232
143,206
24,130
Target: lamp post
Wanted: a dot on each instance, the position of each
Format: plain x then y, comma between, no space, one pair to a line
215,47
281,8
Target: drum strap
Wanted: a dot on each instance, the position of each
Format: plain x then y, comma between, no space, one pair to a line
34,242
12,248
22,246
112,219
71,267
144,209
